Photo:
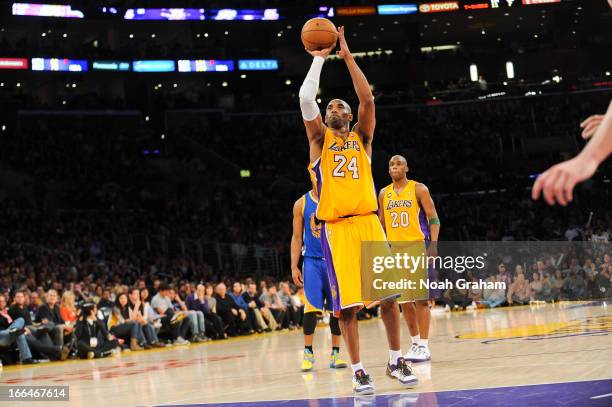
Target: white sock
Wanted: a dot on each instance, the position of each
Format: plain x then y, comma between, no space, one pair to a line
416,339
394,355
423,342
356,367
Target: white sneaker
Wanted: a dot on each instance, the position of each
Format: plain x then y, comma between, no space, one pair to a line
471,307
362,383
412,352
421,354
180,342
402,371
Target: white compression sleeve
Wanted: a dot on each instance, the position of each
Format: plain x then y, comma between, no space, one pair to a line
308,91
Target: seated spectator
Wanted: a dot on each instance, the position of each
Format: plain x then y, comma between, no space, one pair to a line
198,302
68,309
519,291
236,295
93,340
457,298
152,317
122,326
197,326
547,288
574,286
603,281
536,287
13,332
38,338
105,301
292,312
212,301
138,313
174,327
233,316
262,311
49,315
298,300
34,304
271,299
494,297
558,281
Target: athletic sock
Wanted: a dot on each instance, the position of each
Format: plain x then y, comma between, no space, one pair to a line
356,367
416,339
336,349
309,348
423,342
393,356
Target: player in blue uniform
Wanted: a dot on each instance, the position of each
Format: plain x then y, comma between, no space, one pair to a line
306,240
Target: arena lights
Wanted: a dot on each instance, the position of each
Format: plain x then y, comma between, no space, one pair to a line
269,14
258,64
473,73
439,7
59,64
200,14
536,2
208,65
111,66
324,11
153,66
510,70
46,10
13,63
164,14
397,9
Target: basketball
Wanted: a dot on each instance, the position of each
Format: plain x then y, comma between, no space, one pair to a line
319,33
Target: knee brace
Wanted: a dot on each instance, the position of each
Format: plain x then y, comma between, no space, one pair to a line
334,326
310,323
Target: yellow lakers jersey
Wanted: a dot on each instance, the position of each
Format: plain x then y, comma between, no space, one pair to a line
343,176
404,218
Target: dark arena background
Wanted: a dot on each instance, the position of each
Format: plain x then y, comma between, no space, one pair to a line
151,153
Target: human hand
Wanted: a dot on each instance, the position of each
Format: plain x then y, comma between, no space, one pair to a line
557,183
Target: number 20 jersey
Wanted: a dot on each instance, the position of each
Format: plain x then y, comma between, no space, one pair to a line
343,177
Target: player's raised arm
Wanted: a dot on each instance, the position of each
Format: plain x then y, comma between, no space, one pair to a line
315,130
297,241
366,119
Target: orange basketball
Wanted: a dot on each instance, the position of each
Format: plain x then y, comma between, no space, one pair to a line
319,33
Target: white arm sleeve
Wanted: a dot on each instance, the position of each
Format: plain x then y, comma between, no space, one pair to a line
308,91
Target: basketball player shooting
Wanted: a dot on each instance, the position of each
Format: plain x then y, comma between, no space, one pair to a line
340,159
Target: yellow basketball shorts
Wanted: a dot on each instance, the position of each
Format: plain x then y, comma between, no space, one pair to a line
341,241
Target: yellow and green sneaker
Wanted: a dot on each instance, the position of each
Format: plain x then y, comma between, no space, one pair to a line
307,361
336,362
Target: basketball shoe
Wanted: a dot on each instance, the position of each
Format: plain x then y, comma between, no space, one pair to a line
418,354
402,371
335,362
362,383
307,361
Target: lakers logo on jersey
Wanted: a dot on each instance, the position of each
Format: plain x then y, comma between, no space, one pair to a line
315,228
347,145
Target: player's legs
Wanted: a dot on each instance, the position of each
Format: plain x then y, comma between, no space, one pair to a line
335,362
410,316
313,291
309,326
397,367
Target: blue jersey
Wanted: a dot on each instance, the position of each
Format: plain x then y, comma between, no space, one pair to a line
312,230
